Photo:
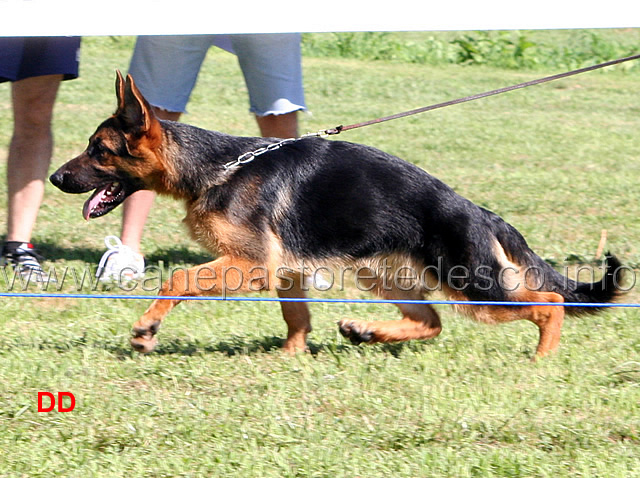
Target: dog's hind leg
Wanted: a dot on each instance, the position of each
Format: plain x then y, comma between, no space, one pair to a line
548,318
220,277
295,314
419,321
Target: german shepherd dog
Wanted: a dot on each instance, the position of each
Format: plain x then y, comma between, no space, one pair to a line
321,202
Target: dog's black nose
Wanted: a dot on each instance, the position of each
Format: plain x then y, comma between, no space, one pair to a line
57,178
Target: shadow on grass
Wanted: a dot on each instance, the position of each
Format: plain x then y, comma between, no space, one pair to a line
230,348
179,255
236,345
121,349
264,345
53,252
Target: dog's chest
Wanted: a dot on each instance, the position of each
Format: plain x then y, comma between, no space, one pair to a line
222,235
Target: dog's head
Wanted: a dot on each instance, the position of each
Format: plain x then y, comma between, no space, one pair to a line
123,155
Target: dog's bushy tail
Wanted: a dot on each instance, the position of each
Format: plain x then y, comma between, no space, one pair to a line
604,291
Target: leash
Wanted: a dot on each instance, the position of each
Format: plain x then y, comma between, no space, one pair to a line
250,156
340,129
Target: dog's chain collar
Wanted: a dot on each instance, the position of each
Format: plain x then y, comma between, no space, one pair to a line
251,155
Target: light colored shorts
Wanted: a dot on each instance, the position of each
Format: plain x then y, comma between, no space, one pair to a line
165,69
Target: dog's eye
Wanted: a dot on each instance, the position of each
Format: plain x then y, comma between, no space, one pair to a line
97,149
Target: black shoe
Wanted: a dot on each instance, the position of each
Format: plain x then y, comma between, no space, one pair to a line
25,260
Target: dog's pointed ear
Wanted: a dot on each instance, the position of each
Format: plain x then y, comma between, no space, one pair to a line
133,109
120,90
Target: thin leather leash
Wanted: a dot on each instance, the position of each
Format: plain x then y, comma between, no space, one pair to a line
340,129
250,156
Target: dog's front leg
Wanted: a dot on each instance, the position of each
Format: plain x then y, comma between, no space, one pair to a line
220,277
296,314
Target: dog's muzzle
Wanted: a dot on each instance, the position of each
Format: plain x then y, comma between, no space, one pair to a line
69,182
58,179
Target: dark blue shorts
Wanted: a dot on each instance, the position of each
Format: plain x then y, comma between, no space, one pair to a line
25,57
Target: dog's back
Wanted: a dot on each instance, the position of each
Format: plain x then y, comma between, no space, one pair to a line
333,201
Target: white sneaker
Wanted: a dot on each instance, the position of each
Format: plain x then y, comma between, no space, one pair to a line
120,263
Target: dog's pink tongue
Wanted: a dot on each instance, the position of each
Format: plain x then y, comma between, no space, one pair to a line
92,202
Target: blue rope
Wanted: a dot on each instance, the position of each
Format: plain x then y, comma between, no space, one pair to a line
33,295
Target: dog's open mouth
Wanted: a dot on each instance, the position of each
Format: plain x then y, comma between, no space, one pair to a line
103,200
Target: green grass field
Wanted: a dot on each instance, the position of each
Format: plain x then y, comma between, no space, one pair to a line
561,162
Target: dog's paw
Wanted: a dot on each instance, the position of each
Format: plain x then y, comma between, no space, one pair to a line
145,331
144,345
355,332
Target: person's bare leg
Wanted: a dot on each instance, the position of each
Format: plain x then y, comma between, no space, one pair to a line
134,216
29,152
137,206
166,115
278,126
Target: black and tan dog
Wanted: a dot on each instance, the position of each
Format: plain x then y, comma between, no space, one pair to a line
320,202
